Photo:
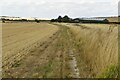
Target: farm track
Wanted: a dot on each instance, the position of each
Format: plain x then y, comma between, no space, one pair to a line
55,54
69,66
73,62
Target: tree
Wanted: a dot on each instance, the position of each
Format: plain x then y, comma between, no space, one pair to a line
66,19
3,20
22,20
36,20
59,19
53,20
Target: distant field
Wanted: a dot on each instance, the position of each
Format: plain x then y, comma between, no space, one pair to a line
60,50
114,19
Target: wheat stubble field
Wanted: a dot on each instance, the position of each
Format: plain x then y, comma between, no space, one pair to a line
59,50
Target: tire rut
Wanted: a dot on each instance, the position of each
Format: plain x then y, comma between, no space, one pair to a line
73,65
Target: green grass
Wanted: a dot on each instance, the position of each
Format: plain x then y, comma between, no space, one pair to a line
110,72
43,70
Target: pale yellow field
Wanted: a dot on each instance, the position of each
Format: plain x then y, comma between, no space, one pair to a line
19,38
114,19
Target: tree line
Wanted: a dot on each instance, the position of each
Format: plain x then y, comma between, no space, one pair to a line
78,20
20,20
62,19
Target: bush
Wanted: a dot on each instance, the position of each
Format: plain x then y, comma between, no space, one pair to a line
37,20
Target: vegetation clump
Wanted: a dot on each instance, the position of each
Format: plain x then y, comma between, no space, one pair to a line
110,72
62,19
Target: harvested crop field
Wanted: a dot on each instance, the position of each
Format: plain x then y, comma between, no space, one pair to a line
59,50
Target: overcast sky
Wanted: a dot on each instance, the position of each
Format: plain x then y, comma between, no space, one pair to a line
53,8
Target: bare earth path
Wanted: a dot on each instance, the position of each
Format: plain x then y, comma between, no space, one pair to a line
73,65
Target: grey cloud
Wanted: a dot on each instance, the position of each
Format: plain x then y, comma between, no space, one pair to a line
53,8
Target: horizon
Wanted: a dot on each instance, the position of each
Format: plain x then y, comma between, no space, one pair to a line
61,16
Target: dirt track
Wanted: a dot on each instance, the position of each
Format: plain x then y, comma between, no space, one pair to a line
42,60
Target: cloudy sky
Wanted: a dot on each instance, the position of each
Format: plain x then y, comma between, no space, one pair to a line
53,8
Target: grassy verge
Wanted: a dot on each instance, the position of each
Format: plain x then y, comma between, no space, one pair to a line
110,72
